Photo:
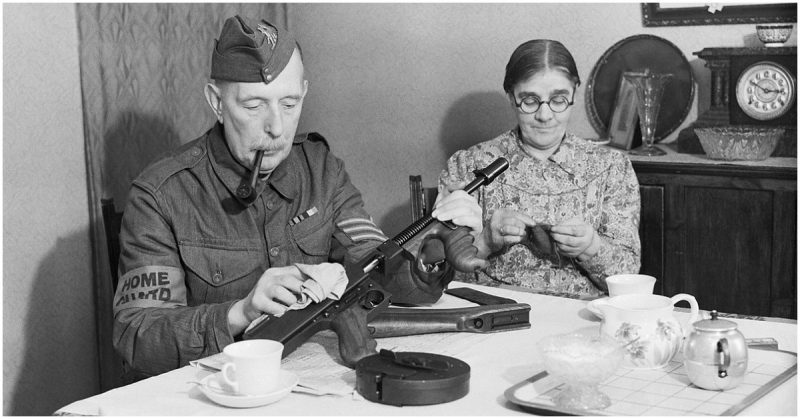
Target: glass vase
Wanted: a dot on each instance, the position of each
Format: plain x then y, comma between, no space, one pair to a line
649,92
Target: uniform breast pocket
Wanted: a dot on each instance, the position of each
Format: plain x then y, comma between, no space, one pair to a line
313,240
220,270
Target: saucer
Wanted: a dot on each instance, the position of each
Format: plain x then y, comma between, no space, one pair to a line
213,389
593,308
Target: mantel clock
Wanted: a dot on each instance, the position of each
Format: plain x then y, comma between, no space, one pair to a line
750,87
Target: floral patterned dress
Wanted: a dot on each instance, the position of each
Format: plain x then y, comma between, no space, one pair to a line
580,179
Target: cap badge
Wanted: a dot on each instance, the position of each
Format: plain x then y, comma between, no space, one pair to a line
269,32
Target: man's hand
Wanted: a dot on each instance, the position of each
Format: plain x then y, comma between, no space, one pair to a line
459,207
275,291
577,239
462,209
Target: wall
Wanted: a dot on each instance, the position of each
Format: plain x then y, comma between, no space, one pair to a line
49,356
397,88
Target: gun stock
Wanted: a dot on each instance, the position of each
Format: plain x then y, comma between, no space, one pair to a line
393,321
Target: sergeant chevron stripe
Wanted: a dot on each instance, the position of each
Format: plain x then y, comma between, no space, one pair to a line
359,229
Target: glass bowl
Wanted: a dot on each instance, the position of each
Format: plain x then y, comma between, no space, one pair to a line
774,35
583,362
739,143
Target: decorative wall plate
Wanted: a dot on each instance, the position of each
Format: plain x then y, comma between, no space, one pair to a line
636,53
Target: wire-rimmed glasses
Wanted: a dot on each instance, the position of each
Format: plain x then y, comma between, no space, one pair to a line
531,104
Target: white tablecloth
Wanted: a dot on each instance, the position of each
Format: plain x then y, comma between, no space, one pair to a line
497,361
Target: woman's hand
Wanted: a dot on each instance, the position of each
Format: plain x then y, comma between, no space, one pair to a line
506,227
576,238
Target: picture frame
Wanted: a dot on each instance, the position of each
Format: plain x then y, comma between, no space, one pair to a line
624,116
689,14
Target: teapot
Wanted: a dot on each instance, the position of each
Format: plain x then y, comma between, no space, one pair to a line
715,354
646,326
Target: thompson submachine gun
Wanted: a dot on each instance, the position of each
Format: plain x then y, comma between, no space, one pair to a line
364,296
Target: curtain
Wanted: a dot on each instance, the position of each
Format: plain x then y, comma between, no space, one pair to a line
143,68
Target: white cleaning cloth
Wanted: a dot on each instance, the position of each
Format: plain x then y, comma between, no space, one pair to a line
325,280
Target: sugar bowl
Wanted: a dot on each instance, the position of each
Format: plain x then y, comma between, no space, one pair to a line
715,354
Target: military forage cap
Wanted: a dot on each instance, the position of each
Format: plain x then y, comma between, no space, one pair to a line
250,51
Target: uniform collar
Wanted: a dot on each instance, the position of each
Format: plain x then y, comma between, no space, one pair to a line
232,173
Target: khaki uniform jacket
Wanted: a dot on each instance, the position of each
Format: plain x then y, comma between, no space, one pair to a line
190,247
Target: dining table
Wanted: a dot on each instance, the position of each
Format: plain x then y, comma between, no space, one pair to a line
498,361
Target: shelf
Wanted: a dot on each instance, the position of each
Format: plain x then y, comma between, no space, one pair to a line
675,162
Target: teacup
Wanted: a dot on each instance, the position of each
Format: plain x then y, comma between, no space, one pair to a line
254,366
630,284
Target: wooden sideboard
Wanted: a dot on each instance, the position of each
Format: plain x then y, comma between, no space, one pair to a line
725,233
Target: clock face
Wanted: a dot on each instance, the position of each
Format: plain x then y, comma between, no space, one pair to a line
765,90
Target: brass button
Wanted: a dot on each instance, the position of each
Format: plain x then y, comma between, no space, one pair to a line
274,251
217,278
196,151
271,204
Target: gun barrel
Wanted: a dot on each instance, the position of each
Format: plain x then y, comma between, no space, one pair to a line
483,176
490,172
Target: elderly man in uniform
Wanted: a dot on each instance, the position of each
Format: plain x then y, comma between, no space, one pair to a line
208,246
